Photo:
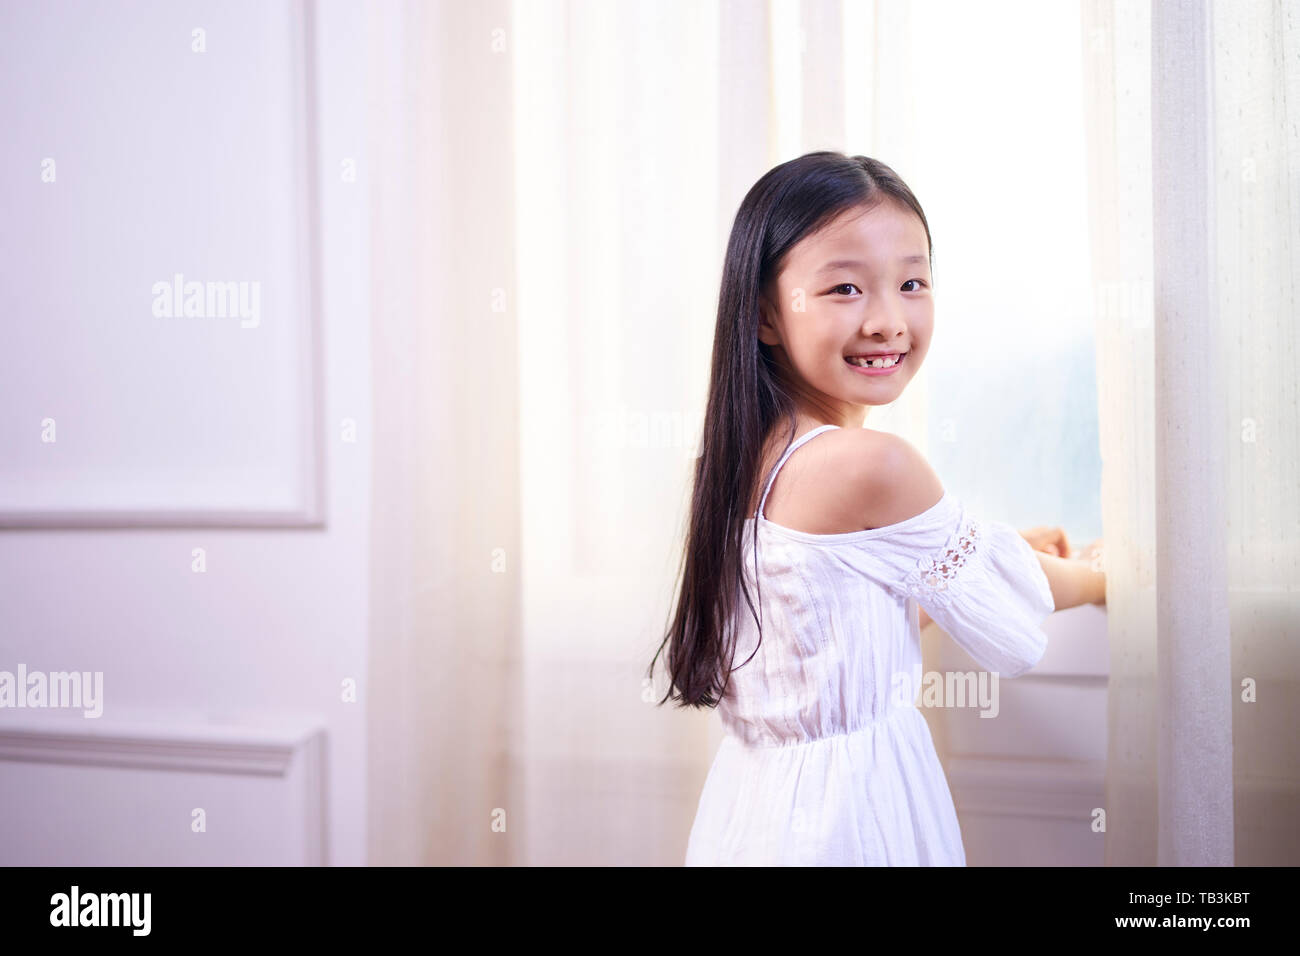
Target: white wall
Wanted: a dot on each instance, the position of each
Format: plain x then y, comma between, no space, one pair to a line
222,689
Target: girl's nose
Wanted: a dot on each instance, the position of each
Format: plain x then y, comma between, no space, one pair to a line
886,318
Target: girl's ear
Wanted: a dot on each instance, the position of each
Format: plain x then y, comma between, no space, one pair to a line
767,333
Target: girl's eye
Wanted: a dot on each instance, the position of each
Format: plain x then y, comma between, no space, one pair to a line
850,285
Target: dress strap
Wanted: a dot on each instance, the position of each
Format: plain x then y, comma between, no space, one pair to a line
788,452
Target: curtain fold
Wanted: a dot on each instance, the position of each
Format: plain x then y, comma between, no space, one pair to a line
1193,169
1193,643
443,680
1256,74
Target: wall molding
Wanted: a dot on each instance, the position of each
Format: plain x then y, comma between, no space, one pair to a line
1028,788
158,745
273,747
309,509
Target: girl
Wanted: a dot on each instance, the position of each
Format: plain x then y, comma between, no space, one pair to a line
827,309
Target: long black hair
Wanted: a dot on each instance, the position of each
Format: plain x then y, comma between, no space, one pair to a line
746,400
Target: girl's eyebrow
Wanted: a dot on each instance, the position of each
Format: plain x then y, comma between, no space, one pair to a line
853,263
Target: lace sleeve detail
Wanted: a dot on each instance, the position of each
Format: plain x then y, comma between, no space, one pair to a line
929,581
978,579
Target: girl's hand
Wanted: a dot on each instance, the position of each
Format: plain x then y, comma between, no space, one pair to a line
1093,555
1048,540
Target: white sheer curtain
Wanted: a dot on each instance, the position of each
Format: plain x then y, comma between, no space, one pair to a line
1195,172
443,434
550,188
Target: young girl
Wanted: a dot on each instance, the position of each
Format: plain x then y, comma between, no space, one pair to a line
834,536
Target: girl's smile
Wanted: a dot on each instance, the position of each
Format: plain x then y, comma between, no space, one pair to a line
875,363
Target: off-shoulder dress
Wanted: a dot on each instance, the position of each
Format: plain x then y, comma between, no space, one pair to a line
826,759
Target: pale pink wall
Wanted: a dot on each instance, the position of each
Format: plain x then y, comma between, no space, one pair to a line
269,632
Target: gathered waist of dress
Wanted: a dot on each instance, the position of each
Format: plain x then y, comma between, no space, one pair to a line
754,739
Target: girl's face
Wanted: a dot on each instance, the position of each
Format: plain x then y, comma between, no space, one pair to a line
858,287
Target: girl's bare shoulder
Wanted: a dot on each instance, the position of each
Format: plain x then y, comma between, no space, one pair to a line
851,479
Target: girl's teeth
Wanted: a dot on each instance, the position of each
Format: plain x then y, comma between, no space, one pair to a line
877,363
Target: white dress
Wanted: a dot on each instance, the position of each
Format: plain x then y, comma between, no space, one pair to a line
822,763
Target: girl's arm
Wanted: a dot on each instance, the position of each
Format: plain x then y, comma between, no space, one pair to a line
1073,582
